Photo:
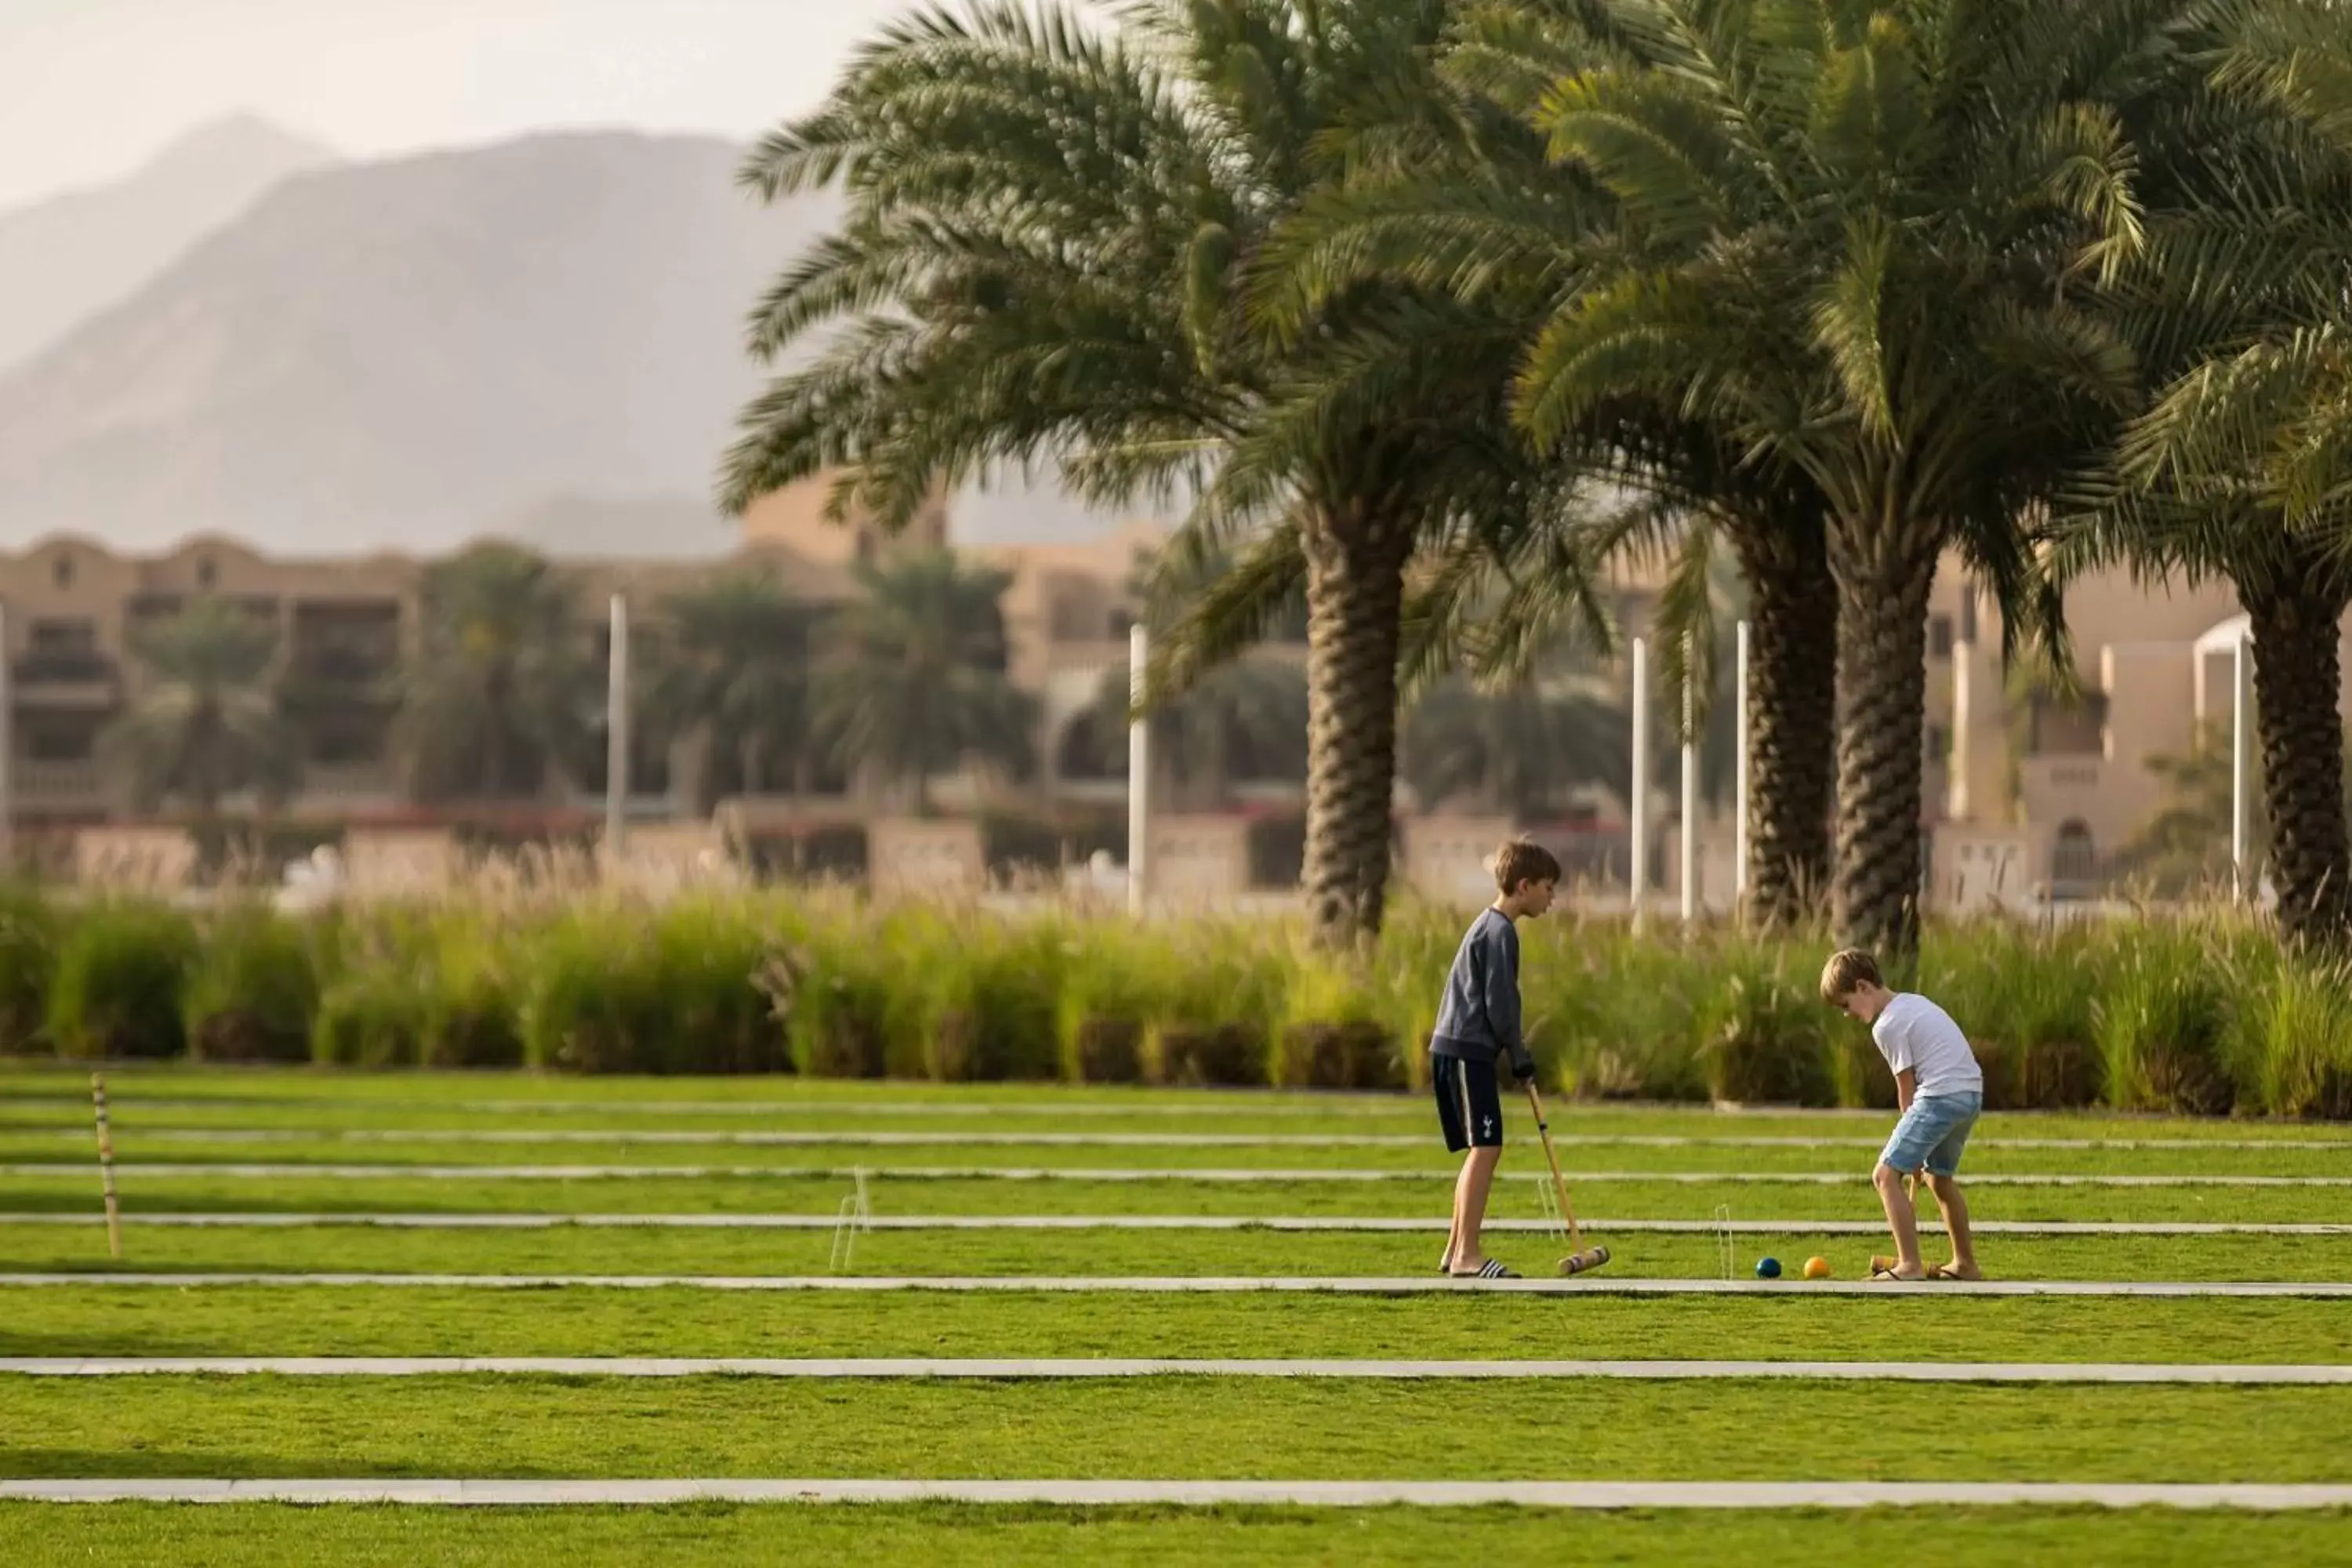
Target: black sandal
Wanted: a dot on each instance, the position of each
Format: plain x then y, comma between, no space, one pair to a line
1492,1268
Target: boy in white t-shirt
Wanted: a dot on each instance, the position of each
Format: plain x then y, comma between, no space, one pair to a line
1941,1091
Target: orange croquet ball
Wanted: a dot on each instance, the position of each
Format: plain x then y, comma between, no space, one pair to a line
1817,1267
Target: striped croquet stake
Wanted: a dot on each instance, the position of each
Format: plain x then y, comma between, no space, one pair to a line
106,1166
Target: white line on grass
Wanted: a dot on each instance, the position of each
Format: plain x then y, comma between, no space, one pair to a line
889,1137
245,1171
1060,1369
1149,1222
1095,1494
1204,1284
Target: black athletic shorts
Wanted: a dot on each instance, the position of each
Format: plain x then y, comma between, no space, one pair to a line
1469,1103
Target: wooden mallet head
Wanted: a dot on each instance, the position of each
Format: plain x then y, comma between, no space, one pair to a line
1584,1262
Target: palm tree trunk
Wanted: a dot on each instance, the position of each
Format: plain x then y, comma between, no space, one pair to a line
2297,680
1883,576
1355,601
1791,715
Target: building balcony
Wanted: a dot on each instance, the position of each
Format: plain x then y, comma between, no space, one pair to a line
35,783
67,681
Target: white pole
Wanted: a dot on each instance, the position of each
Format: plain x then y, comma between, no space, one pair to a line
1638,797
617,733
1139,772
1739,775
2241,793
1690,782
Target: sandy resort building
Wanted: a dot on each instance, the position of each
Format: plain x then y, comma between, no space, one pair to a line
2028,797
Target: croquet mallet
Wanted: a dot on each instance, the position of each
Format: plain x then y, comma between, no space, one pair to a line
1584,1260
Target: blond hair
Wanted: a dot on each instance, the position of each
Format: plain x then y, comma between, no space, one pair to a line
1848,971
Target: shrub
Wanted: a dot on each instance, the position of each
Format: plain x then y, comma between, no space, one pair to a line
369,1018
1108,1001
121,967
1333,1033
986,1000
833,986
2164,1032
2025,1000
1626,1006
1220,987
252,991
620,989
1764,1042
2301,1055
29,932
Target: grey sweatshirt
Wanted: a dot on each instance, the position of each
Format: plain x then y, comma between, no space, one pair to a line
1479,1017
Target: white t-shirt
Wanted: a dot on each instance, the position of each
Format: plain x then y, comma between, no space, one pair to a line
1914,1033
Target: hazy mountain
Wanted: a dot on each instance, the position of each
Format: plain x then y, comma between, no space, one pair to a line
407,355
65,259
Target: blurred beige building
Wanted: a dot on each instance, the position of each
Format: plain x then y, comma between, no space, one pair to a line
73,608
2037,797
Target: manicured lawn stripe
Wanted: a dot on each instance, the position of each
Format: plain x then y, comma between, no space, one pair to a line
142,1130
807,1250
1004,1369
1579,1495
487,1172
1368,1285
75,1190
423,1320
1166,1428
275,1535
1308,1223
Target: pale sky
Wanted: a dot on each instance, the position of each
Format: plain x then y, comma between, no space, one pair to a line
90,89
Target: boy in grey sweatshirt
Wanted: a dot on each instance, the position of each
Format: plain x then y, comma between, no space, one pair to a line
1478,1025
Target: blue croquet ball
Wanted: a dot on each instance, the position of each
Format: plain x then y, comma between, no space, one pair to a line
1768,1269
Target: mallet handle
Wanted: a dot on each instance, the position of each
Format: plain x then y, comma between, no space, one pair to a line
1558,1182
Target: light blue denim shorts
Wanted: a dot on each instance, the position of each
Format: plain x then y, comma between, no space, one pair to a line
1932,1134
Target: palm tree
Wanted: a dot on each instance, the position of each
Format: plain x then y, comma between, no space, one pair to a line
1846,239
920,689
1050,253
1509,228
502,692
1244,719
207,722
2240,468
731,667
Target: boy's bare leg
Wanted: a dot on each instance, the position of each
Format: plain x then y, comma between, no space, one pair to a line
1454,1232
1470,1190
1955,1222
1903,1221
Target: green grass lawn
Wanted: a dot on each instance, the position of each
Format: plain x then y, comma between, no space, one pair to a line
76,1190
367,1249
270,1536
1167,1429
1155,1428
420,1321
1424,1155
58,1095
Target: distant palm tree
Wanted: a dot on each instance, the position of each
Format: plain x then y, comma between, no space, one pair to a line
502,691
920,689
208,722
729,664
1244,719
1517,749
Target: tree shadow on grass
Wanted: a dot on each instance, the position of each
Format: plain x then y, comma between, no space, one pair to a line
86,1343
164,1464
